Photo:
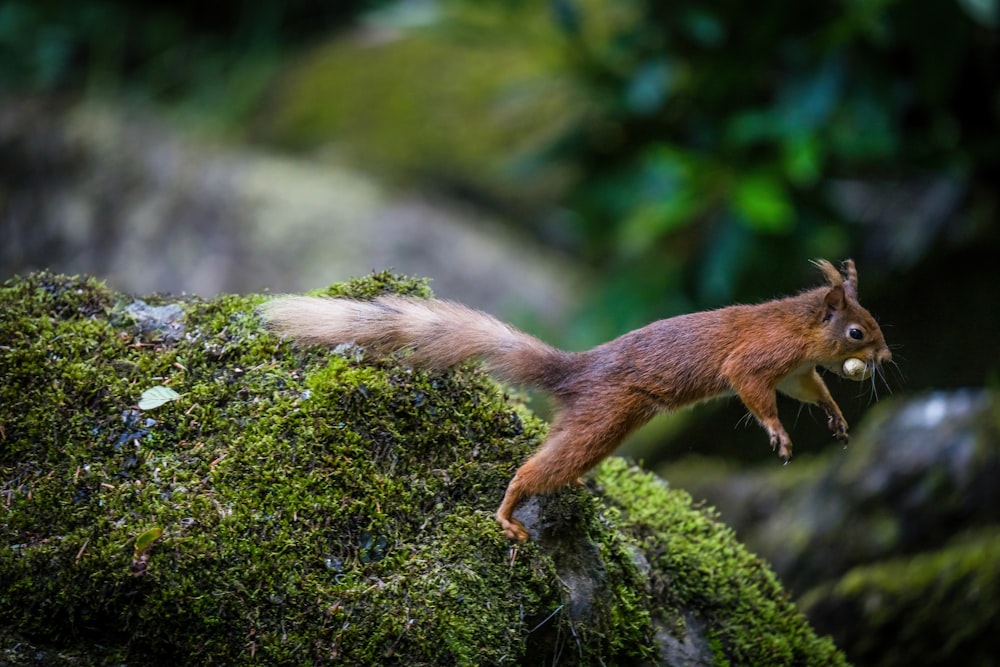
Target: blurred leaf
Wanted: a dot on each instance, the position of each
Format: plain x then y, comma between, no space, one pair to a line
726,255
749,127
567,16
649,87
863,130
761,200
809,100
803,160
984,12
651,221
167,50
672,193
704,27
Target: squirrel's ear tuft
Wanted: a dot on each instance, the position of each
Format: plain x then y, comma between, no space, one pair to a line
851,283
834,301
829,271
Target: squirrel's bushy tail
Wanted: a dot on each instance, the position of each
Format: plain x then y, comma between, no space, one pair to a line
439,334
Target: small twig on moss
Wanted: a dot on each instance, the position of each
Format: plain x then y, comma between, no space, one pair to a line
79,554
547,618
406,628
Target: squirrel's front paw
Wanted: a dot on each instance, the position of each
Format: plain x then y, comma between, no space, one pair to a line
783,444
839,428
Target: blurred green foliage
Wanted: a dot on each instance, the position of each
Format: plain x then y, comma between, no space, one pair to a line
714,137
215,55
426,105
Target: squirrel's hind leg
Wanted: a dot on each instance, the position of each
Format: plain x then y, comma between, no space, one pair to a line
578,440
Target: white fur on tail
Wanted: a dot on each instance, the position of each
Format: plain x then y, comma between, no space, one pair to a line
440,334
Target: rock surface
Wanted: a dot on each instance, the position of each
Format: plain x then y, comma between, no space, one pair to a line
892,545
312,506
89,189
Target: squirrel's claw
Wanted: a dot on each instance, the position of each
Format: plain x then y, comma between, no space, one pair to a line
839,428
514,529
783,444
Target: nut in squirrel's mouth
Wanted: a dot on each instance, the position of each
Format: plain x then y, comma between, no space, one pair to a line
856,369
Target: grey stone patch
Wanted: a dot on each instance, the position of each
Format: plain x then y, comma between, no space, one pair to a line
157,322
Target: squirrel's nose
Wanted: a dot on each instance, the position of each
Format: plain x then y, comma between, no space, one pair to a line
884,356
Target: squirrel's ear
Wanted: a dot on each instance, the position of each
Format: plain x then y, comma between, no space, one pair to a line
834,301
851,273
829,271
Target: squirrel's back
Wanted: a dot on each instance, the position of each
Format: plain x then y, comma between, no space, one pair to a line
438,334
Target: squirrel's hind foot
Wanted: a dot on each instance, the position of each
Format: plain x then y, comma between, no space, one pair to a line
513,529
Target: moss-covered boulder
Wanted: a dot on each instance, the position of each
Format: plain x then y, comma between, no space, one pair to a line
177,485
941,607
892,545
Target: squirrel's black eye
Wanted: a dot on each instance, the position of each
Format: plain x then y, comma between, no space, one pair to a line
855,333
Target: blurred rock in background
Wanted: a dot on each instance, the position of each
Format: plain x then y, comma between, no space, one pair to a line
86,188
897,538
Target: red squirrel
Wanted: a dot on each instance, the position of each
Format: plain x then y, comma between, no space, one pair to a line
603,394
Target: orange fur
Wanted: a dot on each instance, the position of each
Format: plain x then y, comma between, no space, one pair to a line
605,393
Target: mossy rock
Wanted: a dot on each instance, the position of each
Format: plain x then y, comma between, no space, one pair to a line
465,108
314,506
937,608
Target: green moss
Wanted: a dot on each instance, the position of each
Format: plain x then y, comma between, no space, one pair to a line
319,506
376,284
934,605
750,618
